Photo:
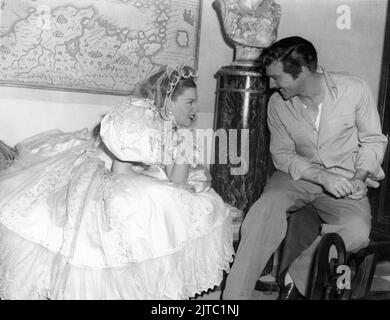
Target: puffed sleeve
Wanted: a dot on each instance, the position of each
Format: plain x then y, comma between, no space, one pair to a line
132,131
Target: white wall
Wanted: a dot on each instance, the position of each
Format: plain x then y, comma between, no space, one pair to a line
357,50
24,112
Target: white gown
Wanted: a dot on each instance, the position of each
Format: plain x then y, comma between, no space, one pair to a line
71,229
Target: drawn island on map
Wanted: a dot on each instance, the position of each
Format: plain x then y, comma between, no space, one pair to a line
103,46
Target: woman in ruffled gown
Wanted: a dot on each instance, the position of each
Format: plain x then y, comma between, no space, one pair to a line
147,225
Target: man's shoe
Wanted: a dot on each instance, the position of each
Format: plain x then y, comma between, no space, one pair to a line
267,286
290,292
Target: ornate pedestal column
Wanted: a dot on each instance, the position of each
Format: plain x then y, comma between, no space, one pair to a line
241,100
241,103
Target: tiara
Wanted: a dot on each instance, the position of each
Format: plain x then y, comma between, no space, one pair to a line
175,73
182,72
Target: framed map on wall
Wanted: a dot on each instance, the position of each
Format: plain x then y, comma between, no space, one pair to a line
98,46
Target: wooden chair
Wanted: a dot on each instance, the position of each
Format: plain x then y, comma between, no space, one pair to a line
303,228
361,265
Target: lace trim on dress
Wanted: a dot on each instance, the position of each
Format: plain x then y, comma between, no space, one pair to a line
184,273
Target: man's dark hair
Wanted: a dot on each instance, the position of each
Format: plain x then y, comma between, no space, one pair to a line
293,53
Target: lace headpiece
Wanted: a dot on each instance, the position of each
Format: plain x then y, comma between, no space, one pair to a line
166,84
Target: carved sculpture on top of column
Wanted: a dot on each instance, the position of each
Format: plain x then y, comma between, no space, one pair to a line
241,100
249,25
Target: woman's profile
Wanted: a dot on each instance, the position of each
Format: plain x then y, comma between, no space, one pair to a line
146,225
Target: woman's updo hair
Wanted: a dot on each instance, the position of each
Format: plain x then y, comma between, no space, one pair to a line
181,86
167,83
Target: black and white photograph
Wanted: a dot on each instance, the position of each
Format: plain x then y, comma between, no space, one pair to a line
216,152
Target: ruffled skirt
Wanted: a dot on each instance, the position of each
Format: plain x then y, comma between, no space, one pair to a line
69,229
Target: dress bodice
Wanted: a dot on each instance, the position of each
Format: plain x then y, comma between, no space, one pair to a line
133,131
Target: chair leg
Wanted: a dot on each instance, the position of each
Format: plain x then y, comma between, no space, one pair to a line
365,262
365,270
303,228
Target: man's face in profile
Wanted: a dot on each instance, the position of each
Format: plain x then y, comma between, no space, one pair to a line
283,82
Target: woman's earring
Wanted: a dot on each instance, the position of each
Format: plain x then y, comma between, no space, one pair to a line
168,114
170,117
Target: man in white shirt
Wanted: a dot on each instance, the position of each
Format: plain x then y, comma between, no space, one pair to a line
327,147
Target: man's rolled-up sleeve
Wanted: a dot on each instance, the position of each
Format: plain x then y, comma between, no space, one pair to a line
282,147
372,143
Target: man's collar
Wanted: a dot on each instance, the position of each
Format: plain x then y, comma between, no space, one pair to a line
329,83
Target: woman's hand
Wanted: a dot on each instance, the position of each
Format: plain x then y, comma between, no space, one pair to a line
177,173
189,187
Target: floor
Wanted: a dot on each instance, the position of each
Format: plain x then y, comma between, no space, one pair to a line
381,282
